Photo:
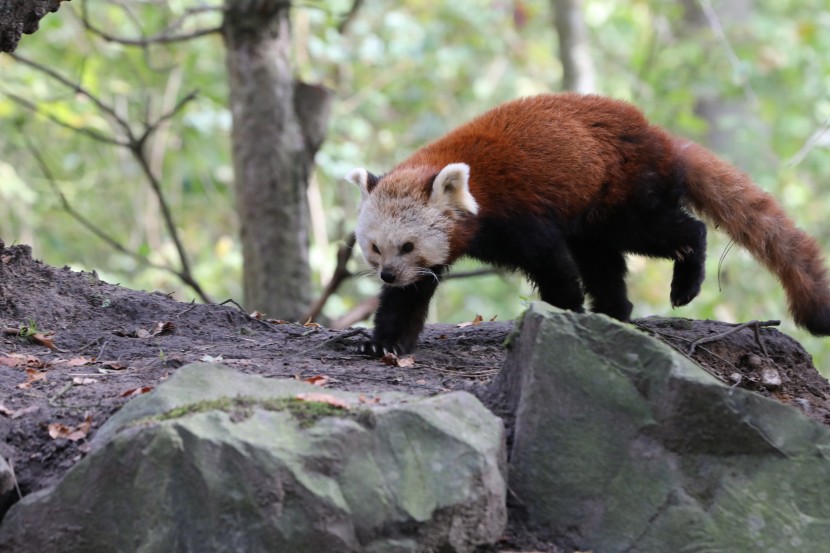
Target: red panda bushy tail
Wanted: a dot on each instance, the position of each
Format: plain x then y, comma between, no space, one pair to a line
755,220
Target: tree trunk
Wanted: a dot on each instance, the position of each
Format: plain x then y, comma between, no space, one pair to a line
578,72
278,125
22,16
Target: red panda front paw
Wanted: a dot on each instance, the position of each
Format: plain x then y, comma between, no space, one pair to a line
376,349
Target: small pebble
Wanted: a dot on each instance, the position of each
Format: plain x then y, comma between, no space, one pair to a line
770,378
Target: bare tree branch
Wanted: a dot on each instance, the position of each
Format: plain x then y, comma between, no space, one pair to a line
91,133
346,22
166,36
341,273
77,88
814,140
90,226
360,312
136,145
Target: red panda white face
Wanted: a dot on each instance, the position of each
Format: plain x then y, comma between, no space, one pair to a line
401,232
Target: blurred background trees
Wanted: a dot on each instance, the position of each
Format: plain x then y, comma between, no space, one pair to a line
748,78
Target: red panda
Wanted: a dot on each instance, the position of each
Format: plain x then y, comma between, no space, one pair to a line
561,187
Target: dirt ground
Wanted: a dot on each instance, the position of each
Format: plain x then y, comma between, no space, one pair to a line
88,347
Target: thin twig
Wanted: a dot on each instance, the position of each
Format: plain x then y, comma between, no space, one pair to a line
339,338
91,227
188,309
808,146
101,351
233,301
360,312
76,87
54,398
164,37
86,131
136,146
736,328
349,17
14,479
341,274
470,274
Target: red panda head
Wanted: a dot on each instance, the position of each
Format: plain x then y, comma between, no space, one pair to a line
407,216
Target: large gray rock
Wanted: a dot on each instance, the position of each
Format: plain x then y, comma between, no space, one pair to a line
621,444
264,474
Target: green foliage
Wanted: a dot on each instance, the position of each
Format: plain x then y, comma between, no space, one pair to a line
404,73
28,330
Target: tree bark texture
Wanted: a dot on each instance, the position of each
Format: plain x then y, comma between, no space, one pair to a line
22,16
278,125
578,73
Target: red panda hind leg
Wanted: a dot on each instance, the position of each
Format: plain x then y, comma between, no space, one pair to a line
603,273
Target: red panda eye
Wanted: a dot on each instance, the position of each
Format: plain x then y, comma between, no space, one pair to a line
408,247
375,248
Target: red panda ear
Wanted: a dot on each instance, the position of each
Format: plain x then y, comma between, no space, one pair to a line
451,188
365,180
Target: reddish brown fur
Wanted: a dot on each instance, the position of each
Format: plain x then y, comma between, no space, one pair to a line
756,221
514,172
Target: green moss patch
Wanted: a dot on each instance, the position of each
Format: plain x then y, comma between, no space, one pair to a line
242,407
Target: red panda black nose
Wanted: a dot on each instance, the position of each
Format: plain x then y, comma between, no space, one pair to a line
387,276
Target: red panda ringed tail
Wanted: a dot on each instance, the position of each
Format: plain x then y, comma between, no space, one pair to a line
561,187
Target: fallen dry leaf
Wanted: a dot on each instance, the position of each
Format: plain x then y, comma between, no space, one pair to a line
79,361
394,361
476,321
58,430
160,328
44,340
311,324
21,360
317,380
406,361
35,362
136,391
81,381
390,359
17,413
6,258
258,315
324,398
32,376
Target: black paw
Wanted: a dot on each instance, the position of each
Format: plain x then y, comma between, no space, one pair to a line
684,290
620,310
376,349
686,281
